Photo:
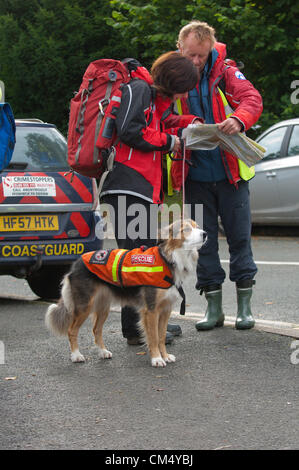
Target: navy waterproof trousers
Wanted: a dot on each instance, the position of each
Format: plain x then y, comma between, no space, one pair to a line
232,205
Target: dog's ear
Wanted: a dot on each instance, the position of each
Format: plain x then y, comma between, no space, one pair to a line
174,230
166,233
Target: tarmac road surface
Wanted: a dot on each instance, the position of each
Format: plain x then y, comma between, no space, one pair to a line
227,390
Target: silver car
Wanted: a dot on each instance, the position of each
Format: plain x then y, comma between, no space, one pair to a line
274,191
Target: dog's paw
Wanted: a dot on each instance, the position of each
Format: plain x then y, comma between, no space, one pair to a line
76,356
158,362
169,358
105,354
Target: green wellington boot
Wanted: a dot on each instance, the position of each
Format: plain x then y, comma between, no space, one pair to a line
214,316
244,319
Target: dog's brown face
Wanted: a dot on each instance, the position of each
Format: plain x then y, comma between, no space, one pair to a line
185,235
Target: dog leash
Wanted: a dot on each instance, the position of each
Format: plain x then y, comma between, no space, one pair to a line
184,161
183,303
183,146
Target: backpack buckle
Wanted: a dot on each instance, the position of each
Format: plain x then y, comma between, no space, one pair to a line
103,103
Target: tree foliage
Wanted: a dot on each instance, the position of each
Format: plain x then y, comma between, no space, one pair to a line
263,34
45,46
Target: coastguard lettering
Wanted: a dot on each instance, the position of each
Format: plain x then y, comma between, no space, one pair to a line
57,249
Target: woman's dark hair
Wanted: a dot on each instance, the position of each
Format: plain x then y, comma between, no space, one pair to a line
173,73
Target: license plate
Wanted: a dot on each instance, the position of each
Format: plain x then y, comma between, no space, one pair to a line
28,223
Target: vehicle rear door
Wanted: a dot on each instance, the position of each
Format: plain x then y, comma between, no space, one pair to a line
264,190
288,176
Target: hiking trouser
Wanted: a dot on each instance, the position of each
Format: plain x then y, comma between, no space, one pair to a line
232,205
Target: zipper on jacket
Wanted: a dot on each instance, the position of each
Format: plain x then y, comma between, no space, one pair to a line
201,101
154,157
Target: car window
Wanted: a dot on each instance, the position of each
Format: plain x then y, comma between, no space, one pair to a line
293,148
272,143
39,148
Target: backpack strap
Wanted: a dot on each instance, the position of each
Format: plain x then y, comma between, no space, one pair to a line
109,167
151,107
103,103
222,83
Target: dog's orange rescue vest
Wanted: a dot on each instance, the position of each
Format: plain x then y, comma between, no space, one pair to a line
127,268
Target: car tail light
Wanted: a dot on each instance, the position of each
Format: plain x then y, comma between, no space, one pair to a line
95,194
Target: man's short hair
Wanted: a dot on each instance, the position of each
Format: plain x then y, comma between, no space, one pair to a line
201,29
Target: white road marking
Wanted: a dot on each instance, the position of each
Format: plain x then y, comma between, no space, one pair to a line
277,263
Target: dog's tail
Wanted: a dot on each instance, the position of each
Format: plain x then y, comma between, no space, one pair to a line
58,316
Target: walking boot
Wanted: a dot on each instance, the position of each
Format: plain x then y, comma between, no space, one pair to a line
214,316
138,340
244,319
175,330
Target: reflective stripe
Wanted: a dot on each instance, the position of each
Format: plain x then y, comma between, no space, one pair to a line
142,269
115,263
116,98
246,173
80,122
227,108
169,182
179,106
129,105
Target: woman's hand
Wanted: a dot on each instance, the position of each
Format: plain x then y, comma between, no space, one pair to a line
177,144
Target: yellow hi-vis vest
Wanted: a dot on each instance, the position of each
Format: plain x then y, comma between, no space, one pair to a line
246,173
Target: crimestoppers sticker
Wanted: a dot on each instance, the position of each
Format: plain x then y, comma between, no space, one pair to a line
20,186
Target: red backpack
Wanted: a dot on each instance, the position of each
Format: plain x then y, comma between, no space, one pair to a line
93,110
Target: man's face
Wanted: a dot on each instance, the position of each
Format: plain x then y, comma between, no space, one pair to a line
195,50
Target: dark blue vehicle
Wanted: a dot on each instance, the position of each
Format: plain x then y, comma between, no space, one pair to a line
48,216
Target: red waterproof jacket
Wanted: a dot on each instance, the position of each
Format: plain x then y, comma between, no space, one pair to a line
146,128
244,99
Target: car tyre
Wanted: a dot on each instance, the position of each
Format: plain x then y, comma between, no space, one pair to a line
46,282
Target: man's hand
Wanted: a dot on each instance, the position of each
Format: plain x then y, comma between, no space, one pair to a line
230,126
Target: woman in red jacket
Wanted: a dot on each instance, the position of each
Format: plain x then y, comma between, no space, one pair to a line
134,186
